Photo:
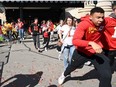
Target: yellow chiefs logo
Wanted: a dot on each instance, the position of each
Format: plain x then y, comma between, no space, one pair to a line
92,29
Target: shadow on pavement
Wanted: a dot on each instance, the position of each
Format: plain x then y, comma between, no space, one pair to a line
52,86
90,75
2,63
53,46
40,53
1,70
3,45
23,80
7,56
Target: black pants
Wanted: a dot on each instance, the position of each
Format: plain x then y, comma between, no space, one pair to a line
46,42
36,41
100,62
111,55
58,48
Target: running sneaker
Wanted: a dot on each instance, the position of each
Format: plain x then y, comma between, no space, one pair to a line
61,79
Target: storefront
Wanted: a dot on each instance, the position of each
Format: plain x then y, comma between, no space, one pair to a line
42,9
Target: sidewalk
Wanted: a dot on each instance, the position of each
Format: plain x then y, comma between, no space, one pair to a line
26,66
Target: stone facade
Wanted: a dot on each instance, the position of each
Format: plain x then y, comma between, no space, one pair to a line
88,5
2,13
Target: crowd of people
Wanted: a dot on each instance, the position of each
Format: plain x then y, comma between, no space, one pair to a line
11,31
92,38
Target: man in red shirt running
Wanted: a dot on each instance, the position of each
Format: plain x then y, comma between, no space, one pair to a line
87,40
109,36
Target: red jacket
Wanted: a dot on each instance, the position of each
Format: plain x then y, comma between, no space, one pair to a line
109,36
85,17
85,32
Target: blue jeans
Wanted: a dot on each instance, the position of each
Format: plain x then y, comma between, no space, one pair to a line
67,55
21,33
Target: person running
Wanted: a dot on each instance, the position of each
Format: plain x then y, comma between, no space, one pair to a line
34,30
109,36
87,40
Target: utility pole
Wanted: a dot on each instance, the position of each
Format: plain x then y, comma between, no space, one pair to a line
95,3
21,10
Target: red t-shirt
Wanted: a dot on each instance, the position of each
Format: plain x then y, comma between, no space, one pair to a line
109,36
51,27
46,34
0,29
85,32
20,25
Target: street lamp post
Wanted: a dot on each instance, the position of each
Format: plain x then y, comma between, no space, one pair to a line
95,3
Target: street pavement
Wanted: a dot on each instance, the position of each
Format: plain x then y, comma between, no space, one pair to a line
23,66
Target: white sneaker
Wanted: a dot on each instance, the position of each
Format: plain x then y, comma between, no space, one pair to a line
59,52
23,38
61,79
88,63
46,49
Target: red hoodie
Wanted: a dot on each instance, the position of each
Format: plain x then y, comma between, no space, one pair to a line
109,37
85,32
85,17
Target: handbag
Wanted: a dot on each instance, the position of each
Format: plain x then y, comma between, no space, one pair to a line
59,43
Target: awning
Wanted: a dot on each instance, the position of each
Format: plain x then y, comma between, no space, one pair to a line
39,0
42,3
